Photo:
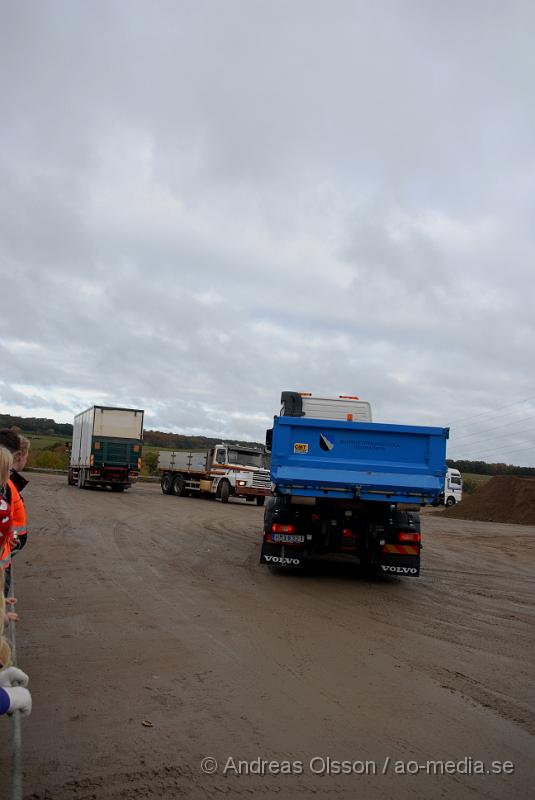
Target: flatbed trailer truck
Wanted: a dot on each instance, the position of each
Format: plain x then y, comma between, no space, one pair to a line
222,472
106,447
351,488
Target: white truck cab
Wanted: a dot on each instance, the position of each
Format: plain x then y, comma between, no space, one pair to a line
453,487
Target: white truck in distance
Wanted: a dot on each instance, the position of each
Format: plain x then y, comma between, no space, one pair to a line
223,471
453,489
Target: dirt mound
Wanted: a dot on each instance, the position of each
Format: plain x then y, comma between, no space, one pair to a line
502,499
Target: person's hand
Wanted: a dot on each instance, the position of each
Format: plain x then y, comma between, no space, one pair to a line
11,601
19,700
11,616
13,676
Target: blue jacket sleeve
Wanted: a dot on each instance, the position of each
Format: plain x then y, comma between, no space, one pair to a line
5,701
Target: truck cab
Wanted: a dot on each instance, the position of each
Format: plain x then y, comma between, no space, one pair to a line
239,471
453,488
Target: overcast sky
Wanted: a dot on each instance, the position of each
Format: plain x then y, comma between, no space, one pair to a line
205,203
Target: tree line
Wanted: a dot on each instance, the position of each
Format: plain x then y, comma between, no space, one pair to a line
173,441
482,468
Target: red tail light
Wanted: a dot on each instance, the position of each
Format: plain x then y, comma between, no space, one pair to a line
347,533
409,537
277,528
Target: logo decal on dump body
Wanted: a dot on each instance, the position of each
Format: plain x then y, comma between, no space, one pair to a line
325,444
300,447
400,570
282,560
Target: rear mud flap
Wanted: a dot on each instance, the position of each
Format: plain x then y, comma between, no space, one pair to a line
407,566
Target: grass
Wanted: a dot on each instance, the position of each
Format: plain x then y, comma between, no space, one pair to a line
48,450
44,442
479,479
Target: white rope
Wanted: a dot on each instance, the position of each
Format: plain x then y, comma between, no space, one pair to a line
16,763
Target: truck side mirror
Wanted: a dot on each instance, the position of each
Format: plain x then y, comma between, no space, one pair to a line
269,439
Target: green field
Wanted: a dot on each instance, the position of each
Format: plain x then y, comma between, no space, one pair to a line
49,451
479,479
42,441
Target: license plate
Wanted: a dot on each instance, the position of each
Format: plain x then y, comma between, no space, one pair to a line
287,538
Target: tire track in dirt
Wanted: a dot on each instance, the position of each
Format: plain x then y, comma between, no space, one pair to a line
161,611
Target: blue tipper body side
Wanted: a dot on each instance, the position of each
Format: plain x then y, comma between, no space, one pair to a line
369,460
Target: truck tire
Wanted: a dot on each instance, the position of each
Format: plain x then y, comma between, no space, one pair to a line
272,508
179,486
166,483
450,501
260,501
116,488
224,491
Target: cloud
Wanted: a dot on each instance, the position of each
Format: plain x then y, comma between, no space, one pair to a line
202,206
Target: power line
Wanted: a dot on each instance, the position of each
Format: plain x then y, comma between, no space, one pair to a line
490,453
493,412
494,428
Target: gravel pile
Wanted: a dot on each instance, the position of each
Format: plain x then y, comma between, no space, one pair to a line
502,499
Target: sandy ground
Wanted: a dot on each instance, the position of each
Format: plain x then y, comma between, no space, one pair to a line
145,607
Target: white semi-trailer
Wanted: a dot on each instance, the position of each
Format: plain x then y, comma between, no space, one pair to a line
223,471
106,447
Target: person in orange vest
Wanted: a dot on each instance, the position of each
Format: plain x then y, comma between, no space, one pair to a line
14,694
18,446
6,463
16,484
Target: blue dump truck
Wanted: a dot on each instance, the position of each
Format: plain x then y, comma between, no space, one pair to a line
343,484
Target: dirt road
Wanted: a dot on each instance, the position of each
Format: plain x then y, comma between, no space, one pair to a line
142,607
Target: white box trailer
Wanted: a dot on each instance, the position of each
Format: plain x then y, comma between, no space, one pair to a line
106,447
223,471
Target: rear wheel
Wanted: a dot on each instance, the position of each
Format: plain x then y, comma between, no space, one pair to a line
179,485
118,488
166,483
260,501
224,491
